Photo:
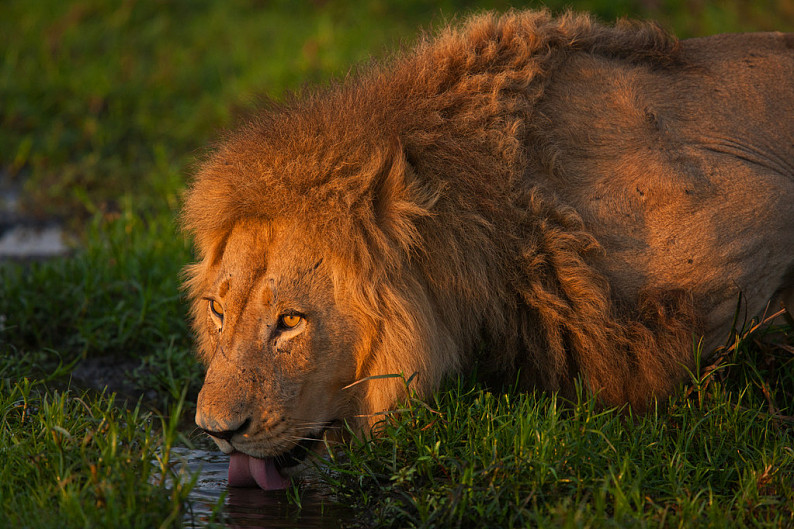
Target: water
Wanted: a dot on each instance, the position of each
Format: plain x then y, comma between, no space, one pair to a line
31,242
22,238
252,507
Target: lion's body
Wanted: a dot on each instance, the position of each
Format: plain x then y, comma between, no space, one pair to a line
684,175
574,200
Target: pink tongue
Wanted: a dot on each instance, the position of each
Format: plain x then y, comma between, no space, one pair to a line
247,471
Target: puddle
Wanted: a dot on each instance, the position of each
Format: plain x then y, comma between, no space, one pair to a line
22,238
31,242
252,507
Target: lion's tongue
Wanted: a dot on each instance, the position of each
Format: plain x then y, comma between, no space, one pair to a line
247,471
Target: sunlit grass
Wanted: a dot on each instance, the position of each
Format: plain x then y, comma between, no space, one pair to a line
720,453
117,297
119,293
74,459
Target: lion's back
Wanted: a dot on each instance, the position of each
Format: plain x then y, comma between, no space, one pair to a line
684,173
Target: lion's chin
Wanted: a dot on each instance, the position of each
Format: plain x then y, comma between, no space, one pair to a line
248,471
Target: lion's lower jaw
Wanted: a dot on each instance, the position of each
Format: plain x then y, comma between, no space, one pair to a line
223,445
272,472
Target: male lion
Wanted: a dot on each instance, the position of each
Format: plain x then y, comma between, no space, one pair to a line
561,198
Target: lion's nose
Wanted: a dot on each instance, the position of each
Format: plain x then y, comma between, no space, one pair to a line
227,435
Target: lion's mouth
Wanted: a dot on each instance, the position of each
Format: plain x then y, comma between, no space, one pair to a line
298,453
266,472
249,471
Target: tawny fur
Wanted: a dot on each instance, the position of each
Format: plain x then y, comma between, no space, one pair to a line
562,198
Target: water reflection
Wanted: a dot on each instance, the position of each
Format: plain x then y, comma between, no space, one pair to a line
212,502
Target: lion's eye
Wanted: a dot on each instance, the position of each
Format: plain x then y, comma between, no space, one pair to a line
290,321
216,308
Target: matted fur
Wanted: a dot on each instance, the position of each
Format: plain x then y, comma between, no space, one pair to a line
561,198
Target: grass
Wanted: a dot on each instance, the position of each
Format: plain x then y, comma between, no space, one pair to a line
73,457
117,297
719,454
103,99
80,460
106,106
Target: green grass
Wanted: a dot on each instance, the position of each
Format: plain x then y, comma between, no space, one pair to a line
119,294
80,460
105,106
719,454
117,297
103,99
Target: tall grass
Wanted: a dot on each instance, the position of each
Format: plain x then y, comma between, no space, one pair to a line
720,453
73,459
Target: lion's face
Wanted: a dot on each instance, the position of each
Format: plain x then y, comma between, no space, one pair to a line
279,348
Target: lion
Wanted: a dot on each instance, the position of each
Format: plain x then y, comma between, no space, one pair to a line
552,199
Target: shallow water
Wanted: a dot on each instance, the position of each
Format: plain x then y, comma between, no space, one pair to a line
252,507
23,238
32,242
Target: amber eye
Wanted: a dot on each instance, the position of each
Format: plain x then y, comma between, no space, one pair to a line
216,308
290,321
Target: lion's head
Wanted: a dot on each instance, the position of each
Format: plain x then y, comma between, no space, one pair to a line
305,289
280,347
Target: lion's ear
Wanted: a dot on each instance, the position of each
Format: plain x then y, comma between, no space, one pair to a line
398,199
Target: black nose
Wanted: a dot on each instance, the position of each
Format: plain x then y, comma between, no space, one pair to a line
227,435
